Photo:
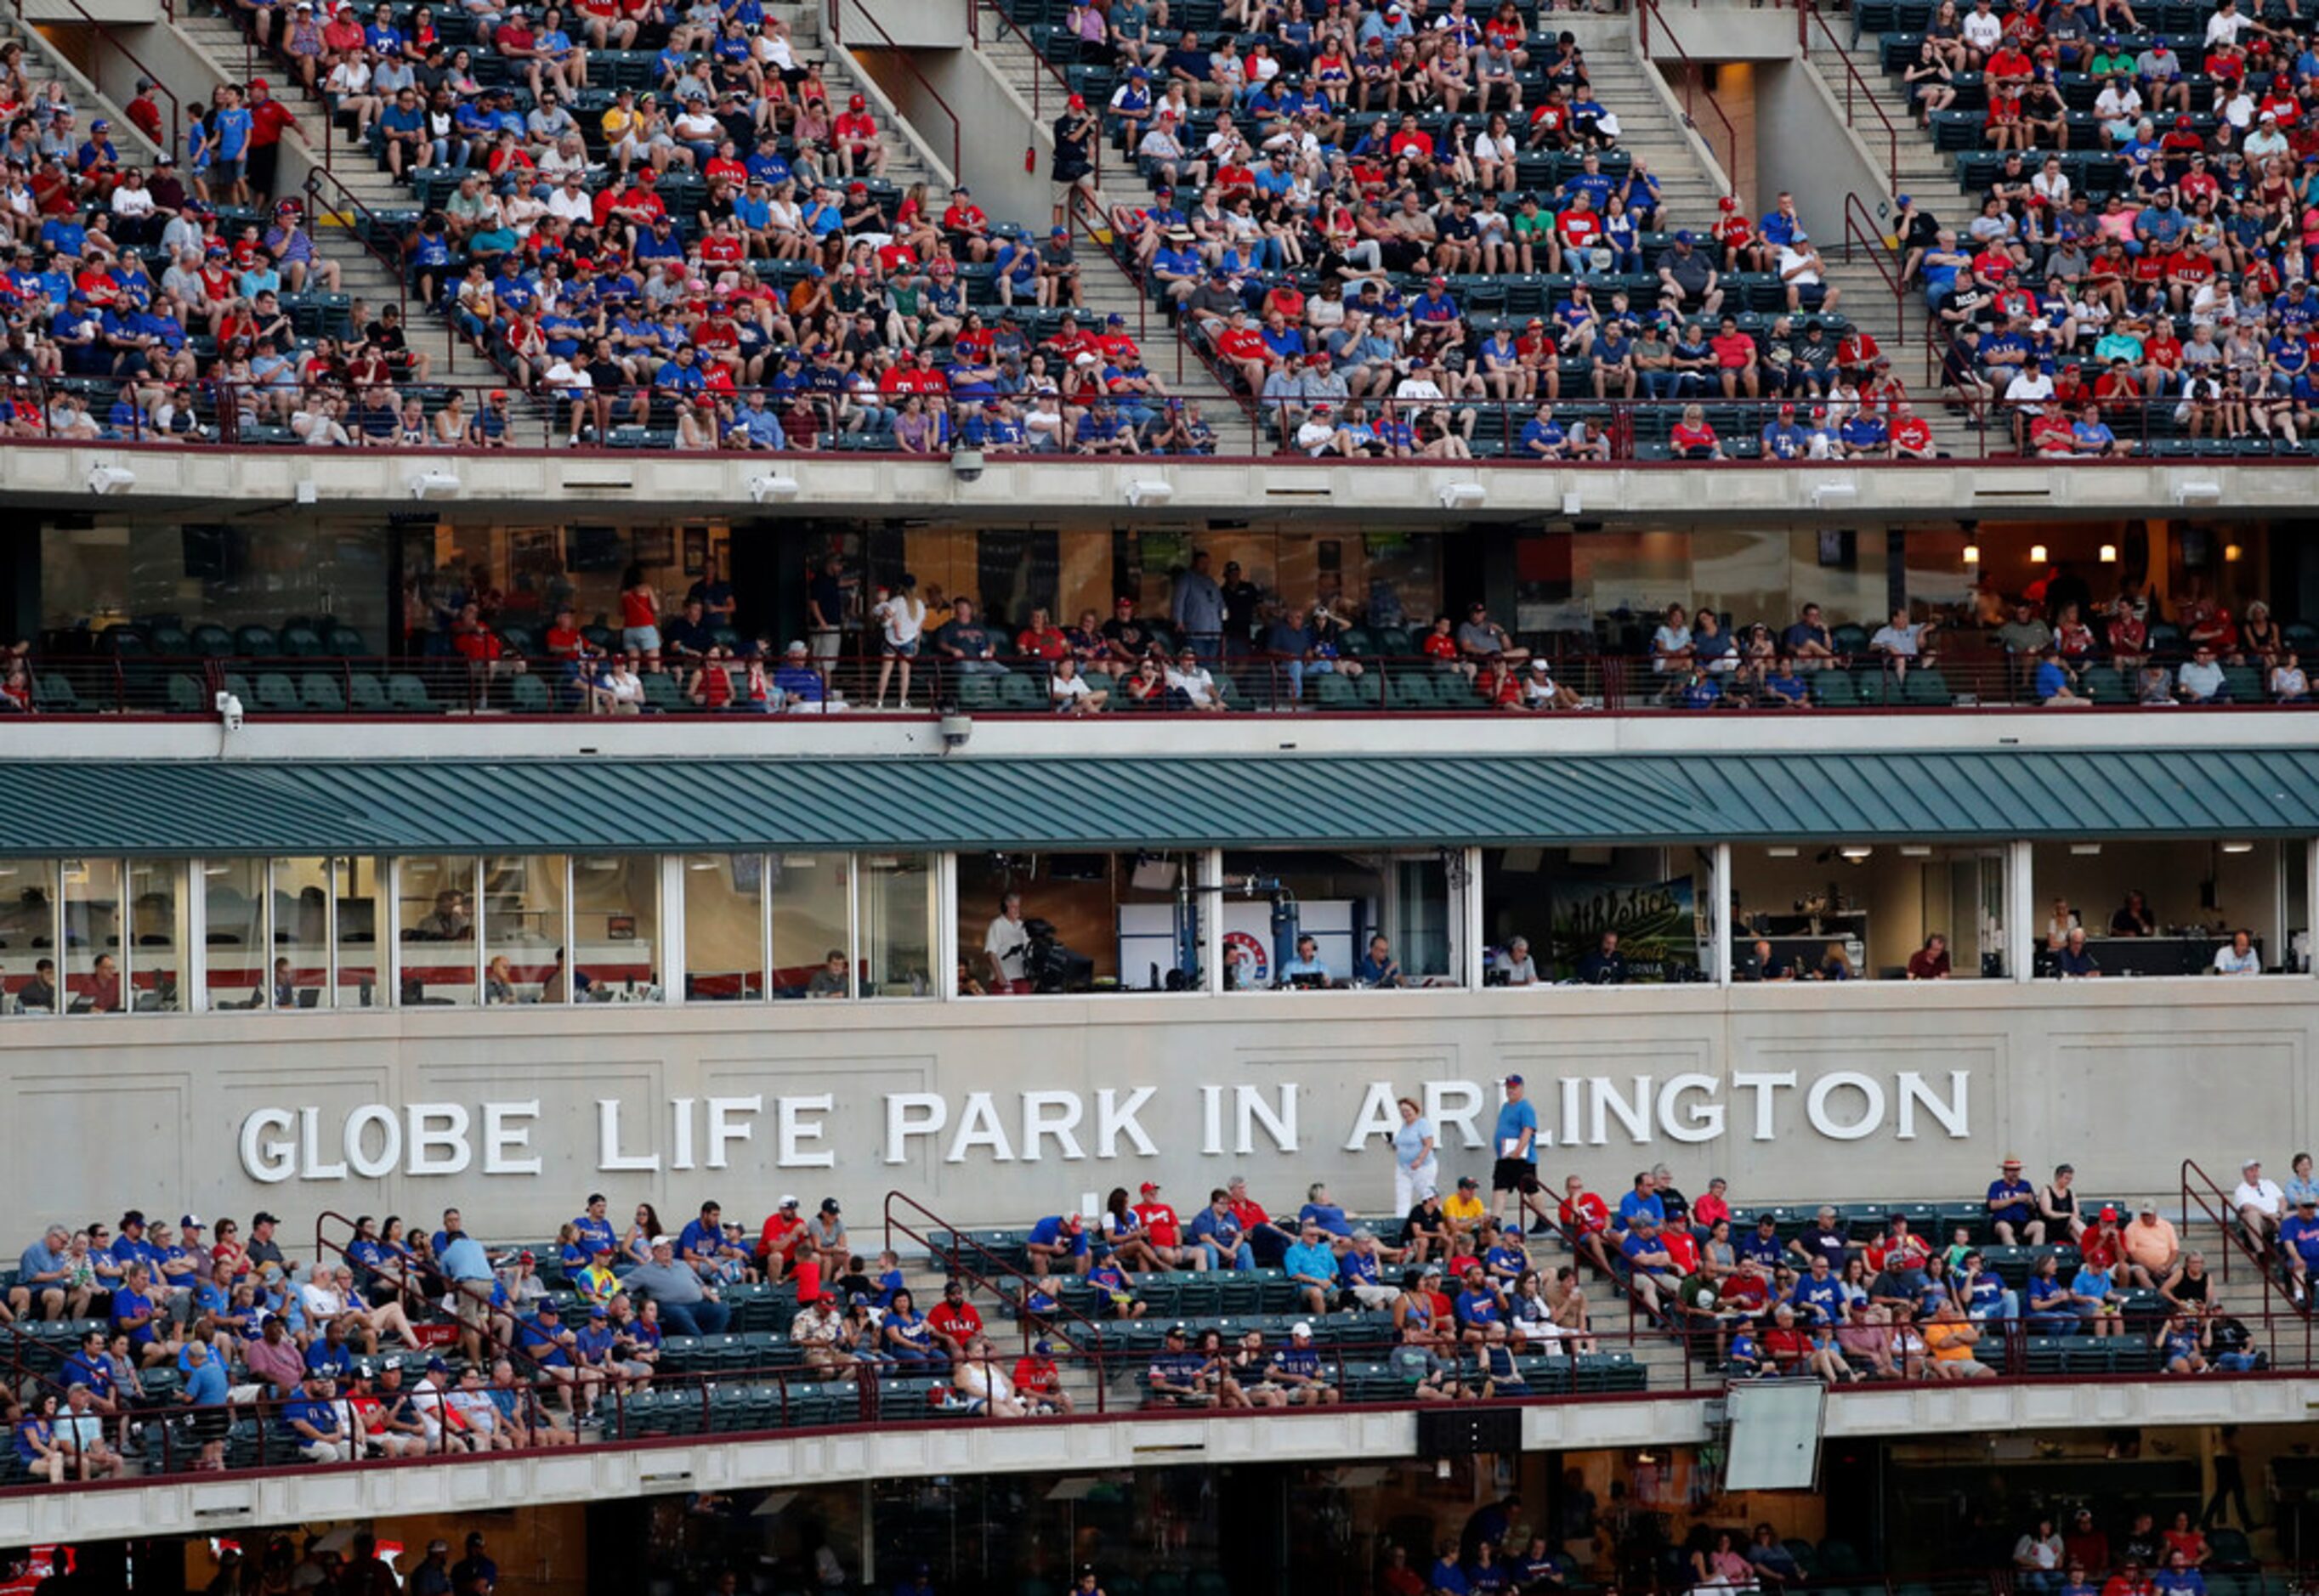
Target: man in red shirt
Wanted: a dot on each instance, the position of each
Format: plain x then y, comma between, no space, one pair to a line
858,147
1912,439
1585,1219
1269,1241
269,119
1165,1232
966,224
954,1321
1899,1249
1038,1382
777,1243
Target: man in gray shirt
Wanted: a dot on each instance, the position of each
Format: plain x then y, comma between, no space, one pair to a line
1197,608
686,1308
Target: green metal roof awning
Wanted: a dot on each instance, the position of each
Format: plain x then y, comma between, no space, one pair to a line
716,805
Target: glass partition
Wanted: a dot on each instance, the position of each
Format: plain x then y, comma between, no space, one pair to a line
724,927
233,931
1841,911
94,977
615,926
157,916
300,973
1078,922
359,884
812,918
897,925
524,955
1597,915
2169,909
28,935
435,925
1325,919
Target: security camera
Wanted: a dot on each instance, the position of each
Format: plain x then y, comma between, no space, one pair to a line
966,465
104,480
777,488
228,711
1145,491
433,484
956,729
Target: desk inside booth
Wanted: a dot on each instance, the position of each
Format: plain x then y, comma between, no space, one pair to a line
2148,955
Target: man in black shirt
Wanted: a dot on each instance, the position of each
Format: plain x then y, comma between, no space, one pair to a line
824,608
1605,966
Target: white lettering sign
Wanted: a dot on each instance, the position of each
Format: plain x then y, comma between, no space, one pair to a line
376,1141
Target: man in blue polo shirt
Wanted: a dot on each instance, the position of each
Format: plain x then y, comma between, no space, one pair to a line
42,1279
2298,1243
1759,1250
1297,1367
702,1239
1055,1238
1311,1266
2012,1208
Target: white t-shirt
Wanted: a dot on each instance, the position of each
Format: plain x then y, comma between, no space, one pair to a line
1067,690
1982,29
2027,388
2229,961
1194,684
2262,1196
901,617
1005,942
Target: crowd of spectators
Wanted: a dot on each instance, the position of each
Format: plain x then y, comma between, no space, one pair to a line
1461,1296
2129,265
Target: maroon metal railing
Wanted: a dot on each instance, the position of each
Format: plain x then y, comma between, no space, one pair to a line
1861,100
1863,233
106,38
1695,89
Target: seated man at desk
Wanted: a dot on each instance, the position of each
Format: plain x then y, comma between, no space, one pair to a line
1378,966
1764,964
2076,960
1305,969
41,991
2133,917
1605,966
2237,957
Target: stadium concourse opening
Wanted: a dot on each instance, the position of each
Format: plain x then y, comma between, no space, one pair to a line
1923,1516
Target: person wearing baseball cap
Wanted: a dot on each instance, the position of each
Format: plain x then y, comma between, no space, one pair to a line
2260,1204
779,1243
2012,1204
2152,1247
1038,1383
1163,1231
1057,1239
1514,1174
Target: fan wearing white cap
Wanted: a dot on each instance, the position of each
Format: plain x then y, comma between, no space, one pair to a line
2260,1204
2151,1246
1297,1371
777,1242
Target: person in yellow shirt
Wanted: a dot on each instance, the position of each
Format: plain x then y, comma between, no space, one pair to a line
1465,1212
1950,1339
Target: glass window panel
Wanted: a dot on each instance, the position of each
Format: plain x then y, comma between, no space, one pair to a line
811,921
300,972
28,933
434,927
616,922
1847,911
2160,908
724,927
1546,911
359,884
156,898
897,925
93,973
233,912
1114,918
523,929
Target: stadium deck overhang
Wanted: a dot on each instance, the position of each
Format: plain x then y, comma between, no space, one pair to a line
163,808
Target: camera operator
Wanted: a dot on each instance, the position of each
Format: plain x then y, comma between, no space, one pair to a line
1006,947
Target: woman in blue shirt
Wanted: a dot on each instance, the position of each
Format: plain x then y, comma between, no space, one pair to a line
36,1441
908,1339
1416,1170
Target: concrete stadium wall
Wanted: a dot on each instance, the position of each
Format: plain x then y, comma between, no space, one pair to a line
1908,1092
